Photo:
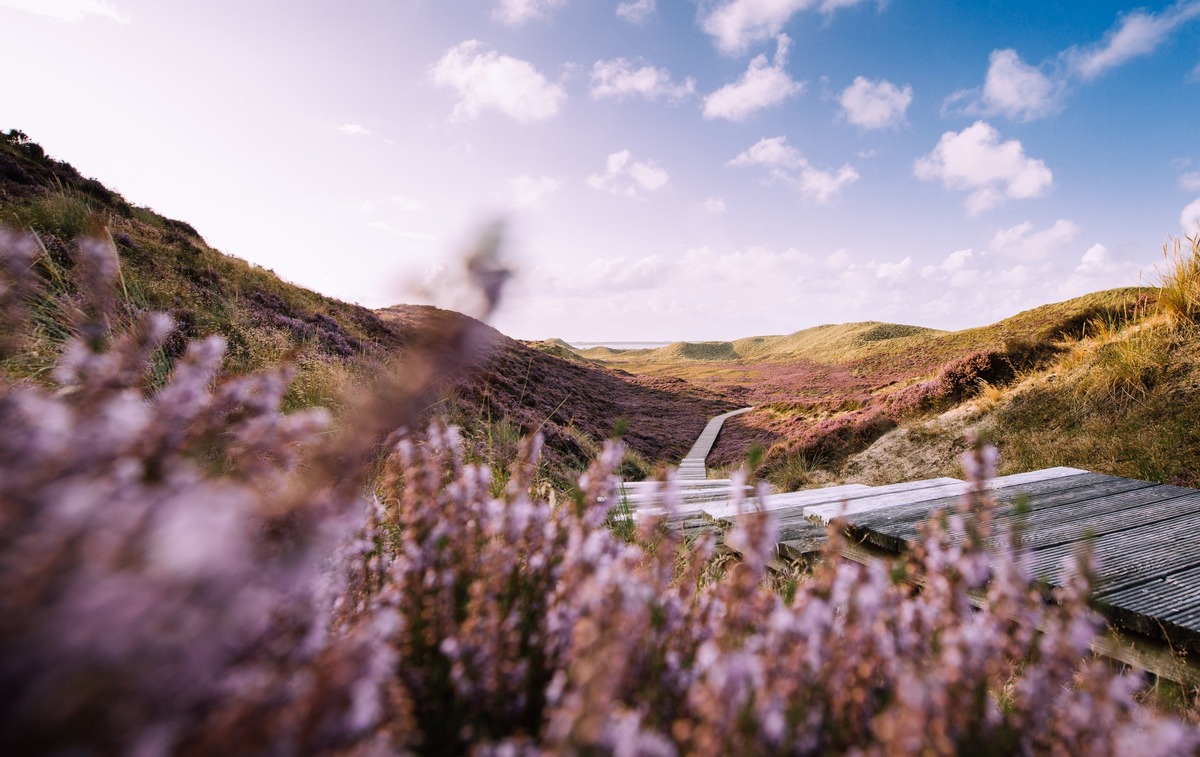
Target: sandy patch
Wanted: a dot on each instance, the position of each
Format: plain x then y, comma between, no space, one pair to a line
917,450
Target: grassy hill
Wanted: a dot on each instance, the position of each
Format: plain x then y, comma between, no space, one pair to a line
335,347
1105,381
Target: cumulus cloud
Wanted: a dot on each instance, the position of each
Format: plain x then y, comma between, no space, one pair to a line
1095,260
618,78
875,104
787,164
953,271
1013,89
955,261
1022,243
894,271
772,152
1023,92
488,80
764,84
975,159
635,11
529,191
737,24
1190,182
625,176
1137,33
517,12
353,130
1017,90
1189,219
714,205
71,11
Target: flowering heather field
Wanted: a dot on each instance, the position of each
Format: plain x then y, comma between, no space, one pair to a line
186,570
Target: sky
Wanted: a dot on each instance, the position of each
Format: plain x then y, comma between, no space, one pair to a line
665,169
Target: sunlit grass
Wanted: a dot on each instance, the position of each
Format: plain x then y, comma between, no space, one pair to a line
1179,282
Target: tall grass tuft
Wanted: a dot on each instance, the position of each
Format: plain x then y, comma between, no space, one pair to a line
1124,362
1179,282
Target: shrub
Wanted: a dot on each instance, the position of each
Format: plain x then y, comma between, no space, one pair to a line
153,602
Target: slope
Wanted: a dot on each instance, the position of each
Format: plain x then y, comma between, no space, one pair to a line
334,347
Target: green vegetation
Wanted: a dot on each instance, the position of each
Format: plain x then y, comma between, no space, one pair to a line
1107,382
1124,400
332,348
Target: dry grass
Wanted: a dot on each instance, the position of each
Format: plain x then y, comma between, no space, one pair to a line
1179,282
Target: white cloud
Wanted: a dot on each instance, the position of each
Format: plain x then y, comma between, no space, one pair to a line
975,159
1189,219
71,11
955,261
771,152
714,205
1138,33
894,271
625,176
353,130
1013,89
407,204
635,11
838,260
737,24
517,12
785,163
822,185
1190,182
1095,260
764,84
1017,90
875,105
529,191
1023,244
618,79
1097,269
486,80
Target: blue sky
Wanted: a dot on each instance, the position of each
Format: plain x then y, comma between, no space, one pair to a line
667,170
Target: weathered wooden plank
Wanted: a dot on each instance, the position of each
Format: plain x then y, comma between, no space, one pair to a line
894,527
1078,513
1129,558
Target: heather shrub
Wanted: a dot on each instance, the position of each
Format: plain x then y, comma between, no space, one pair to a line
188,570
961,378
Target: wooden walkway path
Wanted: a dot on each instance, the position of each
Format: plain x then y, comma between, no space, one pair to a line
1145,538
692,467
695,487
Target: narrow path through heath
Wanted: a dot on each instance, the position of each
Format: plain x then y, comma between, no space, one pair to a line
692,466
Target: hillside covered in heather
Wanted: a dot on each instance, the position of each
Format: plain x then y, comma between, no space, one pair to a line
506,390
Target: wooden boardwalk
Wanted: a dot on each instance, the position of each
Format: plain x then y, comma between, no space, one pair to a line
692,467
1145,538
695,488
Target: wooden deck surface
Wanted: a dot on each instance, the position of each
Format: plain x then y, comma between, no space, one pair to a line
1145,537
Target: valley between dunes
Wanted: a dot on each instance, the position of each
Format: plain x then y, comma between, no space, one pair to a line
1105,382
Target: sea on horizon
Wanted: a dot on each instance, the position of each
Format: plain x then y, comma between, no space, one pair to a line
619,345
